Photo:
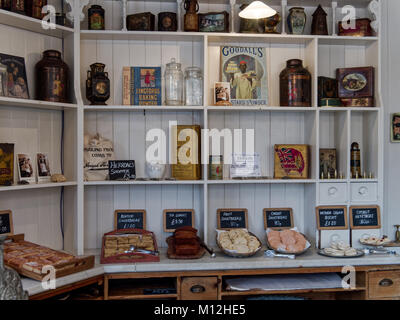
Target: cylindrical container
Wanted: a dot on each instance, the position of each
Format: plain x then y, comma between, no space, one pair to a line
173,84
355,160
97,84
52,78
96,19
33,8
295,85
296,20
216,168
191,19
193,86
18,6
3,80
5,4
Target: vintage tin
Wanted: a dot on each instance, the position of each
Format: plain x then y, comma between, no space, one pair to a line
97,84
33,8
295,85
356,82
186,152
319,24
141,22
96,18
52,74
18,6
327,89
167,21
6,164
216,167
214,22
358,102
330,102
362,28
291,161
5,4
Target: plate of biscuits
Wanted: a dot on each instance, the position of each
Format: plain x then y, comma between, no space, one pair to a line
287,241
340,249
238,243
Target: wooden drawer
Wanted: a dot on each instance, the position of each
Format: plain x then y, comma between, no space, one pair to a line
199,288
364,192
384,284
333,193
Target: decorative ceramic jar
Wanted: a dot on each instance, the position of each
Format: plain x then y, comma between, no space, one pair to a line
296,20
96,18
191,20
193,86
155,170
295,85
173,84
97,84
319,25
52,78
10,282
3,80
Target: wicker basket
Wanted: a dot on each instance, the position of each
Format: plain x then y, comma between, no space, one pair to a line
286,252
236,254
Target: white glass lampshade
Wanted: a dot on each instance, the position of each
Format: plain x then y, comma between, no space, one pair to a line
257,10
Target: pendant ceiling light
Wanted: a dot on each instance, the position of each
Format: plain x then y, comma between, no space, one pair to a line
257,10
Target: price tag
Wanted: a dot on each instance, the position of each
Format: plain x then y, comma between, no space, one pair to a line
365,217
175,218
130,219
278,218
232,218
331,218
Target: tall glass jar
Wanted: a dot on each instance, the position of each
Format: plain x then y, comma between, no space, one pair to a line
173,84
3,80
193,86
295,85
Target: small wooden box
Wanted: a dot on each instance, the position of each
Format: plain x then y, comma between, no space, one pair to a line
140,22
356,82
358,102
384,284
291,161
191,170
362,29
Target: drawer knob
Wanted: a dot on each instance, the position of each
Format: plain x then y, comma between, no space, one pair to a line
332,191
363,191
386,282
197,289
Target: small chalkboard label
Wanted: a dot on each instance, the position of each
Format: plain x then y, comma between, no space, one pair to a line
278,218
122,169
176,218
6,223
331,218
365,217
232,218
130,219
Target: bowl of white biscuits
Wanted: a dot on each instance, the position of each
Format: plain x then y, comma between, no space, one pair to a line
238,243
340,249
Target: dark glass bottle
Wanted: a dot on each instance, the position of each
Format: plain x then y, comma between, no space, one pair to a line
96,18
355,161
52,78
295,85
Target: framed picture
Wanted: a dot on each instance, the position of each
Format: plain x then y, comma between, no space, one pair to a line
17,84
25,168
43,167
245,68
222,94
355,82
395,127
214,22
327,162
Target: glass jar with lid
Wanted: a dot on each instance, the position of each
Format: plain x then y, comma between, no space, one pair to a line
193,86
3,80
173,84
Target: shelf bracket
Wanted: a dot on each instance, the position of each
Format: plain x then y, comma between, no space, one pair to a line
334,7
233,3
76,9
124,5
179,14
283,14
374,9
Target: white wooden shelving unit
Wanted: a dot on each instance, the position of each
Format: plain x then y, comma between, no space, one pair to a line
91,204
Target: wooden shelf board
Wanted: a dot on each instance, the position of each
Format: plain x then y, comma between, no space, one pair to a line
30,24
38,186
35,104
265,292
261,108
262,181
141,35
364,180
149,182
142,108
142,296
331,109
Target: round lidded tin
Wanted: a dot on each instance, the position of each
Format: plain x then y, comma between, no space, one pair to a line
216,168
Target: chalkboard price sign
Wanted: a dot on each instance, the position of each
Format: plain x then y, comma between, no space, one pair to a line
232,218
130,219
278,218
365,217
175,218
332,218
122,169
6,223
